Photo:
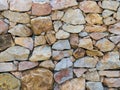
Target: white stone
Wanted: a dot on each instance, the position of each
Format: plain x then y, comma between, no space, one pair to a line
107,13
3,5
62,34
57,25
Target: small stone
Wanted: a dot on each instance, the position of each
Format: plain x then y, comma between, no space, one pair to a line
109,21
61,4
107,13
83,34
94,53
47,64
62,34
115,29
16,16
14,83
6,41
105,45
57,25
112,82
7,67
37,79
57,55
92,76
63,75
94,19
74,84
115,39
61,45
112,5
41,53
86,43
90,7
40,40
94,86
57,15
25,65
74,40
79,72
87,62
20,5
25,42
50,38
3,27
73,16
20,30
78,53
95,28
3,5
39,8
109,73
41,24
73,29
63,64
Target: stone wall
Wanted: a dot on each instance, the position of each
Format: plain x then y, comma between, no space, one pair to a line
59,45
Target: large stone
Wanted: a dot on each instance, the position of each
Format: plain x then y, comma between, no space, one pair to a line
6,41
115,39
73,29
39,40
86,43
115,29
63,75
25,42
78,53
79,72
105,45
61,45
61,4
112,5
94,19
63,64
50,38
62,34
14,53
37,79
87,62
94,86
25,65
20,5
3,5
7,67
3,27
41,53
16,17
73,16
90,7
41,24
74,40
112,82
20,30
12,84
74,84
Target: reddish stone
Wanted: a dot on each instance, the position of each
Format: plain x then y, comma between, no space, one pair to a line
74,40
3,27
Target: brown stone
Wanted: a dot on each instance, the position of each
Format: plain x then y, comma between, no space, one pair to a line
6,41
41,24
94,53
57,15
78,53
3,27
74,40
39,40
50,38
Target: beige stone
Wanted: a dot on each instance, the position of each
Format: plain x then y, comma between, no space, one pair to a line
3,27
50,38
78,53
94,53
3,5
109,21
57,15
79,72
109,73
74,40
40,40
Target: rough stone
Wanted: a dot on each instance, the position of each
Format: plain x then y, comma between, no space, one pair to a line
94,53
86,43
73,16
41,53
41,24
87,62
16,16
109,21
74,40
14,83
83,34
94,19
78,53
57,25
57,15
39,40
20,30
37,79
3,27
63,75
50,38
115,39
74,84
6,41
62,34
105,45
25,65
73,29
90,7
20,5
107,13
118,14
79,72
3,5
61,45
61,4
